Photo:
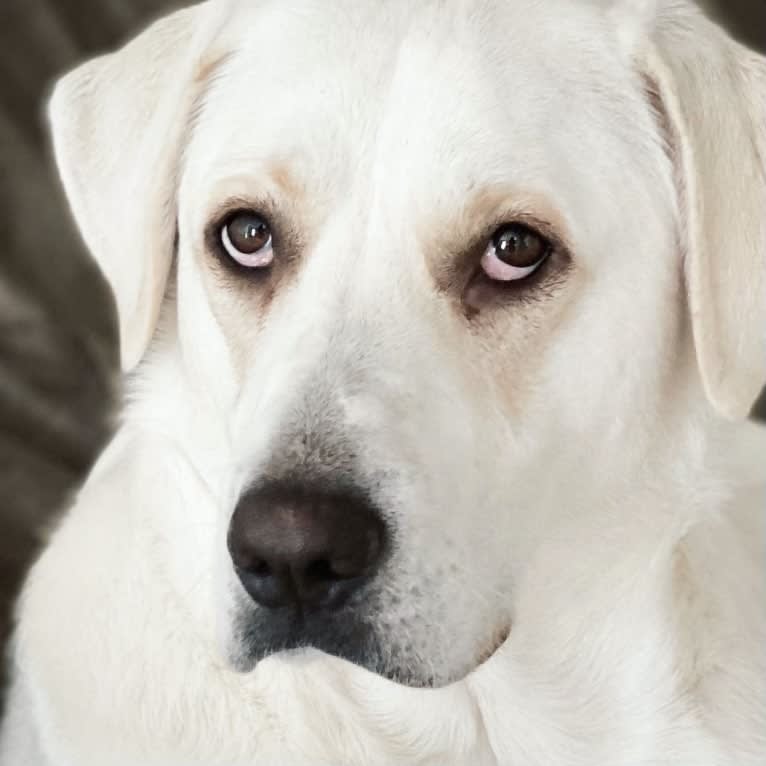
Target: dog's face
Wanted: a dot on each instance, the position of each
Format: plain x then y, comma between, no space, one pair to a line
428,274
399,258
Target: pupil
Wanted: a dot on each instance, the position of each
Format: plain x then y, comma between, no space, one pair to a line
519,246
249,233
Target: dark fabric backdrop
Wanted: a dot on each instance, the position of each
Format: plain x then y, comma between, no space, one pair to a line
57,331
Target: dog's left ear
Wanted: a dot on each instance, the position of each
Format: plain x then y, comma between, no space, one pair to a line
119,123
711,95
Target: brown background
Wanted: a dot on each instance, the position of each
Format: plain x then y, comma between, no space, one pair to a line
57,337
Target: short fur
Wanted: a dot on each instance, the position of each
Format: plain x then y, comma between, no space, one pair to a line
572,462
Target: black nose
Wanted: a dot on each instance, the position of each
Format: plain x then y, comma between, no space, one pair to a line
302,548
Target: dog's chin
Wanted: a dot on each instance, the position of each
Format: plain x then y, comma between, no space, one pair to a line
359,646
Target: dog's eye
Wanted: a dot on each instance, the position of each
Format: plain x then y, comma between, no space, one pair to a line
516,251
246,237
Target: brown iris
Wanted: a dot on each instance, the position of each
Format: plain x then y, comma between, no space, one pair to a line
519,246
247,232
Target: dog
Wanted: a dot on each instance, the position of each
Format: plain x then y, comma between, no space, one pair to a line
440,324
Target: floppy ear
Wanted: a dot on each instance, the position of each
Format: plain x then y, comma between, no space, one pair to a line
119,125
712,91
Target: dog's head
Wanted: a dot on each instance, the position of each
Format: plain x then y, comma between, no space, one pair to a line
434,277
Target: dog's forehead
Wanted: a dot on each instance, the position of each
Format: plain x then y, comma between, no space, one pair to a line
474,94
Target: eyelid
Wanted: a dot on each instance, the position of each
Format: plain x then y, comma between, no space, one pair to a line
264,207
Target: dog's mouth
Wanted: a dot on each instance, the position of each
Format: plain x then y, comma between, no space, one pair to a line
354,641
260,635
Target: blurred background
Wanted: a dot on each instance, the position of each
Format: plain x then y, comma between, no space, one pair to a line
57,329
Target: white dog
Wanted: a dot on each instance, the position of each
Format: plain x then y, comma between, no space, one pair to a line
443,321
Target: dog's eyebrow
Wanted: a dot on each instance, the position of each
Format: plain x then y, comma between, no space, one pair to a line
284,178
500,205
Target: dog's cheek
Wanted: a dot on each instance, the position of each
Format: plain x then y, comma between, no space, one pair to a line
213,328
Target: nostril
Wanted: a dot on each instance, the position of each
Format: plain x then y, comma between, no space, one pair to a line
260,568
346,568
321,571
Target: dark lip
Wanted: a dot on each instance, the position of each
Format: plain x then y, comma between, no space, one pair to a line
346,636
350,639
344,633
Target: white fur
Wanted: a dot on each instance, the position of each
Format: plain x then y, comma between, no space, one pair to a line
564,466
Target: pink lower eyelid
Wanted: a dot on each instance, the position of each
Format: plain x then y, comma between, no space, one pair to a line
257,259
494,268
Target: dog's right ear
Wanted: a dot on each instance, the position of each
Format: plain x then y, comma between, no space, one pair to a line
708,93
119,125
